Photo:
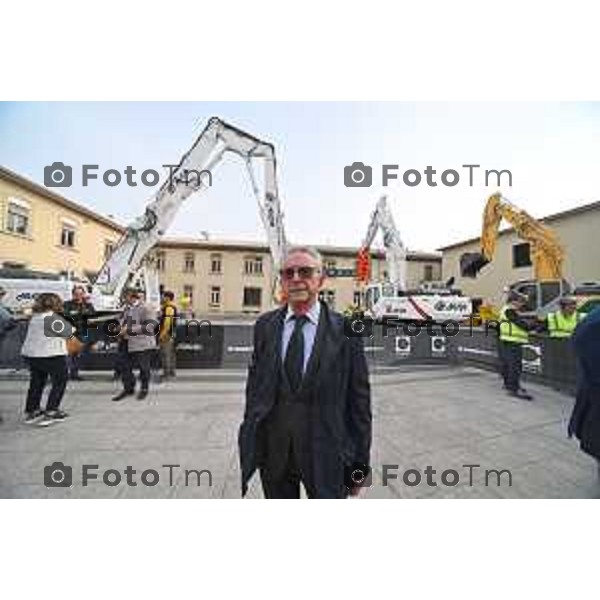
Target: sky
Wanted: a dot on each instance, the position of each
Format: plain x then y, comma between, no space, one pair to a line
551,149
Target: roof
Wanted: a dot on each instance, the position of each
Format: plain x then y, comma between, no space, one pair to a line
583,208
50,195
249,246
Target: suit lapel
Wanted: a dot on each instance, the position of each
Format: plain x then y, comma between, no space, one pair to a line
273,337
327,342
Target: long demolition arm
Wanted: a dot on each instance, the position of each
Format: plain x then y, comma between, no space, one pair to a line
191,175
547,253
395,252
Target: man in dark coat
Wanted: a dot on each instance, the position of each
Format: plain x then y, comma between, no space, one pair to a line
77,310
585,419
308,402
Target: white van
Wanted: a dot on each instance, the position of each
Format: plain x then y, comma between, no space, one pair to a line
21,292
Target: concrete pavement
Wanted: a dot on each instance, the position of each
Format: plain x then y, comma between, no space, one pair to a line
425,419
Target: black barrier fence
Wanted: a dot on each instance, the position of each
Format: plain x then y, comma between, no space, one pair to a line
549,361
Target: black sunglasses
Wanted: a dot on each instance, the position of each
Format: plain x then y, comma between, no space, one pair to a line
303,272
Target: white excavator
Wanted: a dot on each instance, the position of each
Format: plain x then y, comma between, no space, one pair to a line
391,299
131,261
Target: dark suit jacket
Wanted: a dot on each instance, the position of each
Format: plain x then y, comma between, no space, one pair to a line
336,387
585,418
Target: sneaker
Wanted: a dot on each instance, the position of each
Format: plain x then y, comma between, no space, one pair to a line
142,394
57,415
521,395
46,421
121,396
32,418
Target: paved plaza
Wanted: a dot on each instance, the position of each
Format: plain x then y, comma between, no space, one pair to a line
435,417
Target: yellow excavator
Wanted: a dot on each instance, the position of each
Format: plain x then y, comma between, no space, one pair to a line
547,257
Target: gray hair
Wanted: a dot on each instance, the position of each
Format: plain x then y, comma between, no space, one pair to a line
310,250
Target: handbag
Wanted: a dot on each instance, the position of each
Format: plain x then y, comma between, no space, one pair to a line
74,345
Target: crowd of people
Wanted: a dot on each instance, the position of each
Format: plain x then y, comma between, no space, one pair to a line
58,337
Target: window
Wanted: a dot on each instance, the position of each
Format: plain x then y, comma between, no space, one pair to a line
188,292
521,255
253,265
215,295
18,217
189,262
215,263
252,296
328,296
428,273
161,261
329,266
109,248
356,300
67,236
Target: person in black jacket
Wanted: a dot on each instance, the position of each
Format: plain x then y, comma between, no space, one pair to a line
7,322
308,403
77,310
584,423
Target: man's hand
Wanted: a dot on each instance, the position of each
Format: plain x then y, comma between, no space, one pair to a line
355,491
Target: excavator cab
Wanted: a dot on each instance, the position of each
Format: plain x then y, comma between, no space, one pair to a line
542,296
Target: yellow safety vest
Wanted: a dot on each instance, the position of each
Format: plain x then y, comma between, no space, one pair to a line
561,326
510,332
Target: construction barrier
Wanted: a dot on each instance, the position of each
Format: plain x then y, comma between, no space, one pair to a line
202,345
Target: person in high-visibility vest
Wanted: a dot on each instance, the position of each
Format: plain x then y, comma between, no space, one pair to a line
562,323
514,334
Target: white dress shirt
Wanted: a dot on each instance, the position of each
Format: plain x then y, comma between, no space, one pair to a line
309,330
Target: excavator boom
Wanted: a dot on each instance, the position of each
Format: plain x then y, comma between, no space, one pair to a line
395,252
191,175
547,254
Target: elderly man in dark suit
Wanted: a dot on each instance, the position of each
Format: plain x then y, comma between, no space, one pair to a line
308,402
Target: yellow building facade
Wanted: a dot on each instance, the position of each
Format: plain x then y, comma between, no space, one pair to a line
42,231
231,278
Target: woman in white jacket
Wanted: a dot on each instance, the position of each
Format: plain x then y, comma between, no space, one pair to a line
45,350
